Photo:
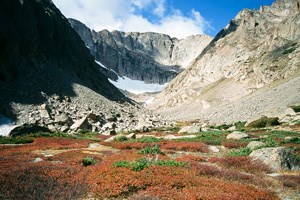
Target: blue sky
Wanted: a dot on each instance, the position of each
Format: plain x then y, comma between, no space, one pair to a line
178,18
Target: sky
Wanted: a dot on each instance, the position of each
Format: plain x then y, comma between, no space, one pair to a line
177,18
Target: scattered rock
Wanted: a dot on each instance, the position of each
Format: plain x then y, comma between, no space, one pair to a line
214,149
278,158
254,144
37,160
190,129
236,135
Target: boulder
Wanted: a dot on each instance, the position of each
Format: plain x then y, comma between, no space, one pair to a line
27,129
63,119
131,136
278,158
236,135
254,144
44,111
109,132
81,124
190,129
214,149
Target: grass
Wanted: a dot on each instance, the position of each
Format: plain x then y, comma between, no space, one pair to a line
16,140
210,138
121,138
148,139
151,150
142,163
240,152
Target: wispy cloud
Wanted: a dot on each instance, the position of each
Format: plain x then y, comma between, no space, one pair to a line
129,16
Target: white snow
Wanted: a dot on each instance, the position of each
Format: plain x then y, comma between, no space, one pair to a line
6,125
149,101
136,86
133,86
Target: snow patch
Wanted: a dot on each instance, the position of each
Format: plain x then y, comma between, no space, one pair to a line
137,86
149,101
6,125
99,63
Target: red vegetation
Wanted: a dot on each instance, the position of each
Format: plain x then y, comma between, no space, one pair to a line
234,144
185,146
126,145
290,181
242,163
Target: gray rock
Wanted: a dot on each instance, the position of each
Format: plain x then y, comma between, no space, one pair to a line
190,129
52,128
254,144
80,124
45,111
131,136
214,149
36,160
27,129
236,135
63,119
109,132
279,158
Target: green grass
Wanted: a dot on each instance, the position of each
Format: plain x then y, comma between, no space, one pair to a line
151,150
16,140
148,139
121,138
210,138
240,152
142,163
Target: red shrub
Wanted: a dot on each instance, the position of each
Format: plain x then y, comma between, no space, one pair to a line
234,144
241,163
126,145
191,158
291,181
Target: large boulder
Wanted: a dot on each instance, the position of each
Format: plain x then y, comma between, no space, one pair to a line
81,124
278,158
255,144
26,128
190,129
236,135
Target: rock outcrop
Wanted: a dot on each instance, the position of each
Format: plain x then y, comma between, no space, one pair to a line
150,57
250,68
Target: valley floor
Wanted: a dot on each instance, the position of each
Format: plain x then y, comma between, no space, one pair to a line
160,164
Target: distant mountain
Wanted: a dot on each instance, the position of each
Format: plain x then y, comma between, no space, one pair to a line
149,57
41,54
250,68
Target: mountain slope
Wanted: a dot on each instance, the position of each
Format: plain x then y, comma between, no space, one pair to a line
149,57
41,54
253,58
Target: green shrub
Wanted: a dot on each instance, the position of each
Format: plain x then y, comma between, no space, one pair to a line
239,125
148,139
296,108
240,152
151,150
88,161
142,163
15,140
264,122
120,138
270,142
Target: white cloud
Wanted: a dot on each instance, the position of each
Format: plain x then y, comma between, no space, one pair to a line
128,16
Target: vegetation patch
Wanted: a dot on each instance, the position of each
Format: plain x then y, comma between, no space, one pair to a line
240,152
16,140
142,163
88,161
148,139
264,122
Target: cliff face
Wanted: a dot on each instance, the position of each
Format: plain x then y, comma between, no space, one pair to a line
252,58
150,57
42,54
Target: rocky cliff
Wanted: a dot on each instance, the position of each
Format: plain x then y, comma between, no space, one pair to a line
48,77
250,68
150,57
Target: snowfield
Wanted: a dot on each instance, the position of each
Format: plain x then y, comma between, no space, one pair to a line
136,86
133,86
